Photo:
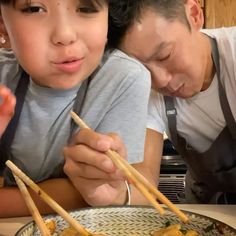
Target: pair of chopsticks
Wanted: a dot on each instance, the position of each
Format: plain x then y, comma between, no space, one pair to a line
22,179
32,207
138,180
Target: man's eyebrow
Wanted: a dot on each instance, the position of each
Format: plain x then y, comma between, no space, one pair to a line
157,51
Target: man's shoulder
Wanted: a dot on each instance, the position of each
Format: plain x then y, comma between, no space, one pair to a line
221,32
226,41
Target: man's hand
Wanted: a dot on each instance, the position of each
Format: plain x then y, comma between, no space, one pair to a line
91,170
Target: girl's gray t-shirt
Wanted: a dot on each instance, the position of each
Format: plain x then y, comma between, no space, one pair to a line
116,101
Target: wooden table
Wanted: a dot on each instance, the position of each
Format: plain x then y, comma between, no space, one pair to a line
224,213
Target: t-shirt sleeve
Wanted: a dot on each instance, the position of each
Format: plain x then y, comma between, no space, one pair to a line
155,112
124,96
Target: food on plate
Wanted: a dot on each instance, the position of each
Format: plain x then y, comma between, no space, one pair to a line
174,230
72,232
166,231
51,225
69,231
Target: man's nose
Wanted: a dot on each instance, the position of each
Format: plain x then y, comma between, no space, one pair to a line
160,77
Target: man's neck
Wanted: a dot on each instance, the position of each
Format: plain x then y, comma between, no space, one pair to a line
210,67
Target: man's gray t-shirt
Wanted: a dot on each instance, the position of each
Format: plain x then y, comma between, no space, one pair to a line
116,101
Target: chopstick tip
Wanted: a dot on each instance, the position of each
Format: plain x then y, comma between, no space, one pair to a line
72,113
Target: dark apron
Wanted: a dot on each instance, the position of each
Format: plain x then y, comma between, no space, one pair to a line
8,136
211,175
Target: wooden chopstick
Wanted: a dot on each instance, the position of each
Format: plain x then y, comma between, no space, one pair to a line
138,180
53,204
123,166
32,207
161,197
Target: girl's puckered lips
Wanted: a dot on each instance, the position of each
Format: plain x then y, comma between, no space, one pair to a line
71,65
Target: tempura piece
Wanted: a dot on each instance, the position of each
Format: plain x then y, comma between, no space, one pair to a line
72,232
69,231
51,225
191,233
169,231
174,230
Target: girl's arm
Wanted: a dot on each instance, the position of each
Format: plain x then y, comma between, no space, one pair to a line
61,190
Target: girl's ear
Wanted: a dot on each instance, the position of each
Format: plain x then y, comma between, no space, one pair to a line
4,39
194,14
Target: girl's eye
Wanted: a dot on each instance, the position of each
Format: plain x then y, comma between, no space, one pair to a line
87,9
32,9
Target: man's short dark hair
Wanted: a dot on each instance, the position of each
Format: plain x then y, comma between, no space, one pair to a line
123,13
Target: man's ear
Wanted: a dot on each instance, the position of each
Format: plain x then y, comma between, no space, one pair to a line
194,14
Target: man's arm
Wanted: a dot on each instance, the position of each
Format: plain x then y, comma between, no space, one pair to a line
61,190
150,167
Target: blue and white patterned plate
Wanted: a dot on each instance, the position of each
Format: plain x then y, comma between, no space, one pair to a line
129,220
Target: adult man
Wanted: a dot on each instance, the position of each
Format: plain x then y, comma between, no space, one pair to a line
193,73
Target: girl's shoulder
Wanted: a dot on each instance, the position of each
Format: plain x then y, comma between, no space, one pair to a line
124,61
121,69
7,56
9,68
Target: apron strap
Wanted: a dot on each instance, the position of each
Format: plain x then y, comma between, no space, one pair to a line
171,116
79,102
223,98
8,135
171,111
20,93
80,98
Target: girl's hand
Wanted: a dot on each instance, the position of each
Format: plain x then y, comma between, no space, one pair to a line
7,107
92,172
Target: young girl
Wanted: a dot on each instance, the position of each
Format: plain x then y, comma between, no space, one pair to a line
57,65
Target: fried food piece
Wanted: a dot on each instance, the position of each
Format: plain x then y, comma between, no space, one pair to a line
72,232
51,225
69,232
169,231
191,233
174,230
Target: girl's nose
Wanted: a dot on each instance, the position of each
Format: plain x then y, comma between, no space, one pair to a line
64,33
